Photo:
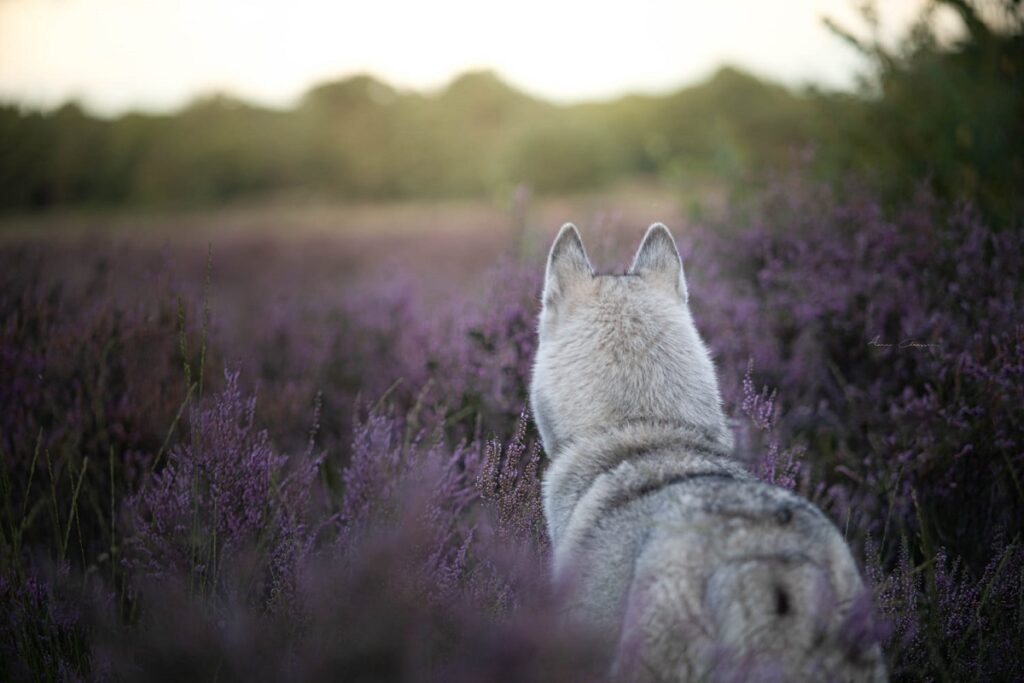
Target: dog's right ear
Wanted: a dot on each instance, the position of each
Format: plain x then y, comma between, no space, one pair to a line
568,265
658,259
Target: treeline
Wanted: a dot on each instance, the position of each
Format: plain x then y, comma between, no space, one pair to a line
361,138
949,114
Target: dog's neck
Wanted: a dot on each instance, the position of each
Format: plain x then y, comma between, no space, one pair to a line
588,456
654,432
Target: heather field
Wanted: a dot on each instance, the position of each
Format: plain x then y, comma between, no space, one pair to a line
265,364
300,453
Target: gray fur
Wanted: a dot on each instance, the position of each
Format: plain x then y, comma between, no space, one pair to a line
680,559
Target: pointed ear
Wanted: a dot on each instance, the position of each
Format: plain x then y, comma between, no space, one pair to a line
658,260
568,265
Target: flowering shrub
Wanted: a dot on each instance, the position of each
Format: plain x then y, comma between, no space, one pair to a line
222,493
358,497
896,345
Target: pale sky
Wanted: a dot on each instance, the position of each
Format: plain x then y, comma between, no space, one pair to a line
115,55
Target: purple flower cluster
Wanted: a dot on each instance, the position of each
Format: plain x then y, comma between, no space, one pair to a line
418,574
772,464
894,341
224,493
375,513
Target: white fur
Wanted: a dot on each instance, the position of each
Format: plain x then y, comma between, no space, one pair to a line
676,550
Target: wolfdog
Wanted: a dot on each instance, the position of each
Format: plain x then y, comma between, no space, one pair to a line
686,565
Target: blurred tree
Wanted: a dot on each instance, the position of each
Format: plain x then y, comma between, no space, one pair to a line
359,138
951,111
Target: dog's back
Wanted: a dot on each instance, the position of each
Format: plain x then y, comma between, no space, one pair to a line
690,568
742,581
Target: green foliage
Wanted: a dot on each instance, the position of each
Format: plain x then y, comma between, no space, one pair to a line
362,139
946,111
951,112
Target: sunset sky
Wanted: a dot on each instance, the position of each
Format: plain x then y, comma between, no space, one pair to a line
155,55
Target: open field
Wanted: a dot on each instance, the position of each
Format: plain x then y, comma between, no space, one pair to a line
285,436
282,441
328,244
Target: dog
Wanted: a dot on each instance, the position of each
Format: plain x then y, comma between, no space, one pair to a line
680,560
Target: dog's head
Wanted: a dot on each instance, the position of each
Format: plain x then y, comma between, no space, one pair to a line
616,349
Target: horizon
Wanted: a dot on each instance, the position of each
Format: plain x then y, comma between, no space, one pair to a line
428,92
663,47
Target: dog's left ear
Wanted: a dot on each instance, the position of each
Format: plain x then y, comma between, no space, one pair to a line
568,265
658,260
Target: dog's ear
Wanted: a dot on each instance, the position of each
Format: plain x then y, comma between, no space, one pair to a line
658,260
568,265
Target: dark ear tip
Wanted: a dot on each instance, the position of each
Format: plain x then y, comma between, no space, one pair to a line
658,230
568,236
566,262
660,235
657,252
568,231
568,248
657,239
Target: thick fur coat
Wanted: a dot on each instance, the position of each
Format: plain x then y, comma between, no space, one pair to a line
686,565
